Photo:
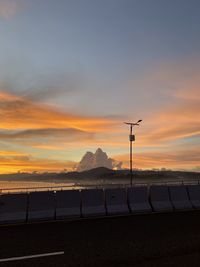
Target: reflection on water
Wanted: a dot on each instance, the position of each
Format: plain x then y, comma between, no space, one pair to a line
22,185
27,186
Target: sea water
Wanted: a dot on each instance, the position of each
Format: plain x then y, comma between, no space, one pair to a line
16,186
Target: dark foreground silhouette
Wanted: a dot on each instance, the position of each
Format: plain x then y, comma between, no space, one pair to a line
145,240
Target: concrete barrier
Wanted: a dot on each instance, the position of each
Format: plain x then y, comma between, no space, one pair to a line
13,208
159,196
41,206
138,199
116,201
194,195
67,204
179,197
93,202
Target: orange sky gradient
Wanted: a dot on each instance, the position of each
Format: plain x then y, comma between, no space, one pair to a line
35,136
71,74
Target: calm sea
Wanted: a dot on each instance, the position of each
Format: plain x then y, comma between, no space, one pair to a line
15,186
22,186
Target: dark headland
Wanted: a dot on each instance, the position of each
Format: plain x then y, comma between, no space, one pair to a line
102,175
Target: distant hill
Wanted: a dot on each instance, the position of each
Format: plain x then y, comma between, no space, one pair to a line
91,174
100,174
98,171
95,173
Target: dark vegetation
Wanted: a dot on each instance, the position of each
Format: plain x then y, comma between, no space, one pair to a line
102,175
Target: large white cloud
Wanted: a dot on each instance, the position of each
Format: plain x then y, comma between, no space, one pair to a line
98,159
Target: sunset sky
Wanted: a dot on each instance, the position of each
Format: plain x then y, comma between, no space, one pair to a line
72,71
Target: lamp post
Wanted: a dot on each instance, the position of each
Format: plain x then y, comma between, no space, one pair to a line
131,139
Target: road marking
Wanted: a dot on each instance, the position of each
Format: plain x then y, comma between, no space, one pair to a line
32,256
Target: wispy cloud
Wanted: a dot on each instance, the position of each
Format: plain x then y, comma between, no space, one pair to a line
169,135
171,124
68,134
21,113
9,8
10,153
178,159
175,122
174,90
11,164
42,127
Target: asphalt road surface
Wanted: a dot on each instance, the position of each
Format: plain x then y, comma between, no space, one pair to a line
171,239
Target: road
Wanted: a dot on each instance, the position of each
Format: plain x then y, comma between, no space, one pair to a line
171,239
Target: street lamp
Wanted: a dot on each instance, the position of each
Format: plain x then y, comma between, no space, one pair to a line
131,139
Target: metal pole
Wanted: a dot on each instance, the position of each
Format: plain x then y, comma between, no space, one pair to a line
131,159
131,139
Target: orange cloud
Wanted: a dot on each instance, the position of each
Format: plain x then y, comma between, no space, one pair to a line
21,113
67,134
184,159
174,89
164,127
10,153
30,164
178,159
175,122
43,128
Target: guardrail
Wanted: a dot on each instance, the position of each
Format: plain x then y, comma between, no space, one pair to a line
72,204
